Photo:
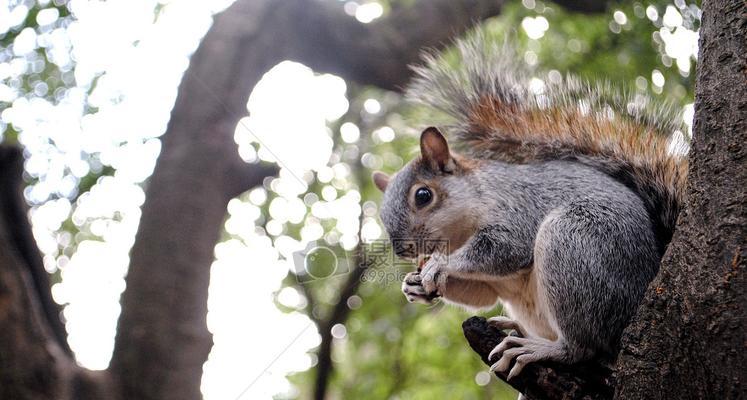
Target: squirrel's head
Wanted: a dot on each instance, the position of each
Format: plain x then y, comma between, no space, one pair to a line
430,202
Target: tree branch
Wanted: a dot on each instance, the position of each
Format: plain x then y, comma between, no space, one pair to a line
543,381
244,176
381,52
586,6
35,360
18,228
339,315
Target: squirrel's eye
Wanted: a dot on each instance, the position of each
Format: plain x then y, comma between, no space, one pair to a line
423,196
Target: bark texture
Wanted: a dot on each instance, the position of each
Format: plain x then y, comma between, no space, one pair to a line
688,339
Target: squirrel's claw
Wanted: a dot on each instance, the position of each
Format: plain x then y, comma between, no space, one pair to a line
523,351
505,323
505,361
504,345
511,348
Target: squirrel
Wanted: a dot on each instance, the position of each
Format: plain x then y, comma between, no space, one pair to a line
559,203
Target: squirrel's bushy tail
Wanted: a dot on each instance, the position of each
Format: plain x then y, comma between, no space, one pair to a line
501,112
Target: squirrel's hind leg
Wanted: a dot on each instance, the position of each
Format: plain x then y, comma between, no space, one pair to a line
592,264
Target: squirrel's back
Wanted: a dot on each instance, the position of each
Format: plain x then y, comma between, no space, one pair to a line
501,112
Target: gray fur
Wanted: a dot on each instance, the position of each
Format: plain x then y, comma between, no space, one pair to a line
490,70
586,236
568,218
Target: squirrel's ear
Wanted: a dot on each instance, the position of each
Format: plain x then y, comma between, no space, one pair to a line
435,150
381,180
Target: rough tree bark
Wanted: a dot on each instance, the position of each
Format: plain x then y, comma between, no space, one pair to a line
688,339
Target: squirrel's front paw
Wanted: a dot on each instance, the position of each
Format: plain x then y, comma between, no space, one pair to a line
434,275
413,289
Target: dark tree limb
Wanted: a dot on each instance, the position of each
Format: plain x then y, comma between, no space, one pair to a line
341,310
32,361
380,53
35,360
585,6
339,315
18,229
543,381
243,177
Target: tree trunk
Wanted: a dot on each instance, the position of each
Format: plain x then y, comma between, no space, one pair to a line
688,339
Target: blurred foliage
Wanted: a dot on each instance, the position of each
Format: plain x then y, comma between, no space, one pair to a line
40,76
33,74
389,348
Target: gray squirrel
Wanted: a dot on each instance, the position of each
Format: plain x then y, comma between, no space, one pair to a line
559,203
